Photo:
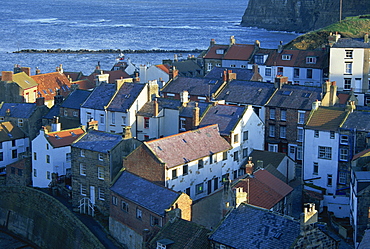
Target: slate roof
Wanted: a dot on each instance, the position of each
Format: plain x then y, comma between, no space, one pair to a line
18,110
98,141
195,86
265,190
49,83
357,120
247,92
54,111
9,132
241,73
187,111
298,58
188,146
350,43
148,109
211,53
258,228
64,138
187,67
24,81
100,97
184,235
327,118
268,157
239,52
226,116
113,75
75,99
125,97
145,193
295,97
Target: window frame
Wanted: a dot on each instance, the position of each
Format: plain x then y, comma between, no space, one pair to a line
82,169
325,152
101,173
146,122
124,206
199,188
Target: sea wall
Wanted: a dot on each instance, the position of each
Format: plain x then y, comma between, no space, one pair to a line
43,220
300,15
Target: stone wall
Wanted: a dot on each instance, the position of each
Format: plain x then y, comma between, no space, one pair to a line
43,220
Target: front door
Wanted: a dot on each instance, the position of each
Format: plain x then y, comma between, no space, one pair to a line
92,194
209,187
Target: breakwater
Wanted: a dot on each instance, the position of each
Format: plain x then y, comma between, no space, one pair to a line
106,51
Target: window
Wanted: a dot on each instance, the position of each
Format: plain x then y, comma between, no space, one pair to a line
301,115
315,168
113,116
101,194
347,84
325,152
236,156
82,169
88,116
300,134
245,152
309,73
34,156
280,70
154,221
273,147
272,131
286,57
174,173
101,173
1,156
283,115
236,138
100,157
34,173
13,143
348,68
232,65
185,169
268,71
124,206
316,134
47,146
310,60
332,134
272,113
14,154
1,119
342,177
182,124
344,139
296,72
200,164
209,66
343,154
330,180
102,118
199,188
20,122
139,214
146,122
224,155
187,191
349,54
65,113
299,153
47,158
68,157
82,153
160,246
83,190
114,200
282,131
75,114
1,145
48,175
245,135
258,59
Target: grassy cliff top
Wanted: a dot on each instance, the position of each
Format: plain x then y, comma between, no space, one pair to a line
351,27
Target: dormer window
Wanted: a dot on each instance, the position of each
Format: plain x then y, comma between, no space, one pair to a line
286,57
311,60
220,51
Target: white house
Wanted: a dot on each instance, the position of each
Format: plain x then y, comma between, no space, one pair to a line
51,153
13,142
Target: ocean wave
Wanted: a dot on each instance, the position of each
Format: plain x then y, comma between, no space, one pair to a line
39,20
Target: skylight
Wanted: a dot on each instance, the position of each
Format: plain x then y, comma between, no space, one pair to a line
287,93
306,95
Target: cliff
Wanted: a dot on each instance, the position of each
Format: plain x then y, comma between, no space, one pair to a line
300,15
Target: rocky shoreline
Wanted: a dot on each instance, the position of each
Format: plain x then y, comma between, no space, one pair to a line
106,51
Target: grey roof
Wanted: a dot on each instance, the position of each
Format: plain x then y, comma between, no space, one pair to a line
163,103
187,111
350,43
295,97
100,97
257,228
144,193
241,74
247,92
75,99
195,86
98,141
187,67
358,120
18,110
125,97
226,116
9,132
268,157
53,112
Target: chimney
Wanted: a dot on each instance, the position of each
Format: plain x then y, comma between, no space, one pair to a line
58,99
333,93
230,75
92,125
366,38
240,196
212,43
326,87
173,72
136,77
155,108
309,216
351,106
56,125
316,104
7,112
126,134
224,76
119,83
257,44
38,71
153,90
7,76
184,96
249,167
232,40
280,47
196,116
27,70
256,75
280,80
60,69
40,101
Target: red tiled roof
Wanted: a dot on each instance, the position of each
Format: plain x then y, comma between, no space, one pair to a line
188,146
239,52
49,82
327,118
84,84
364,153
164,68
113,75
264,189
298,58
64,138
211,54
